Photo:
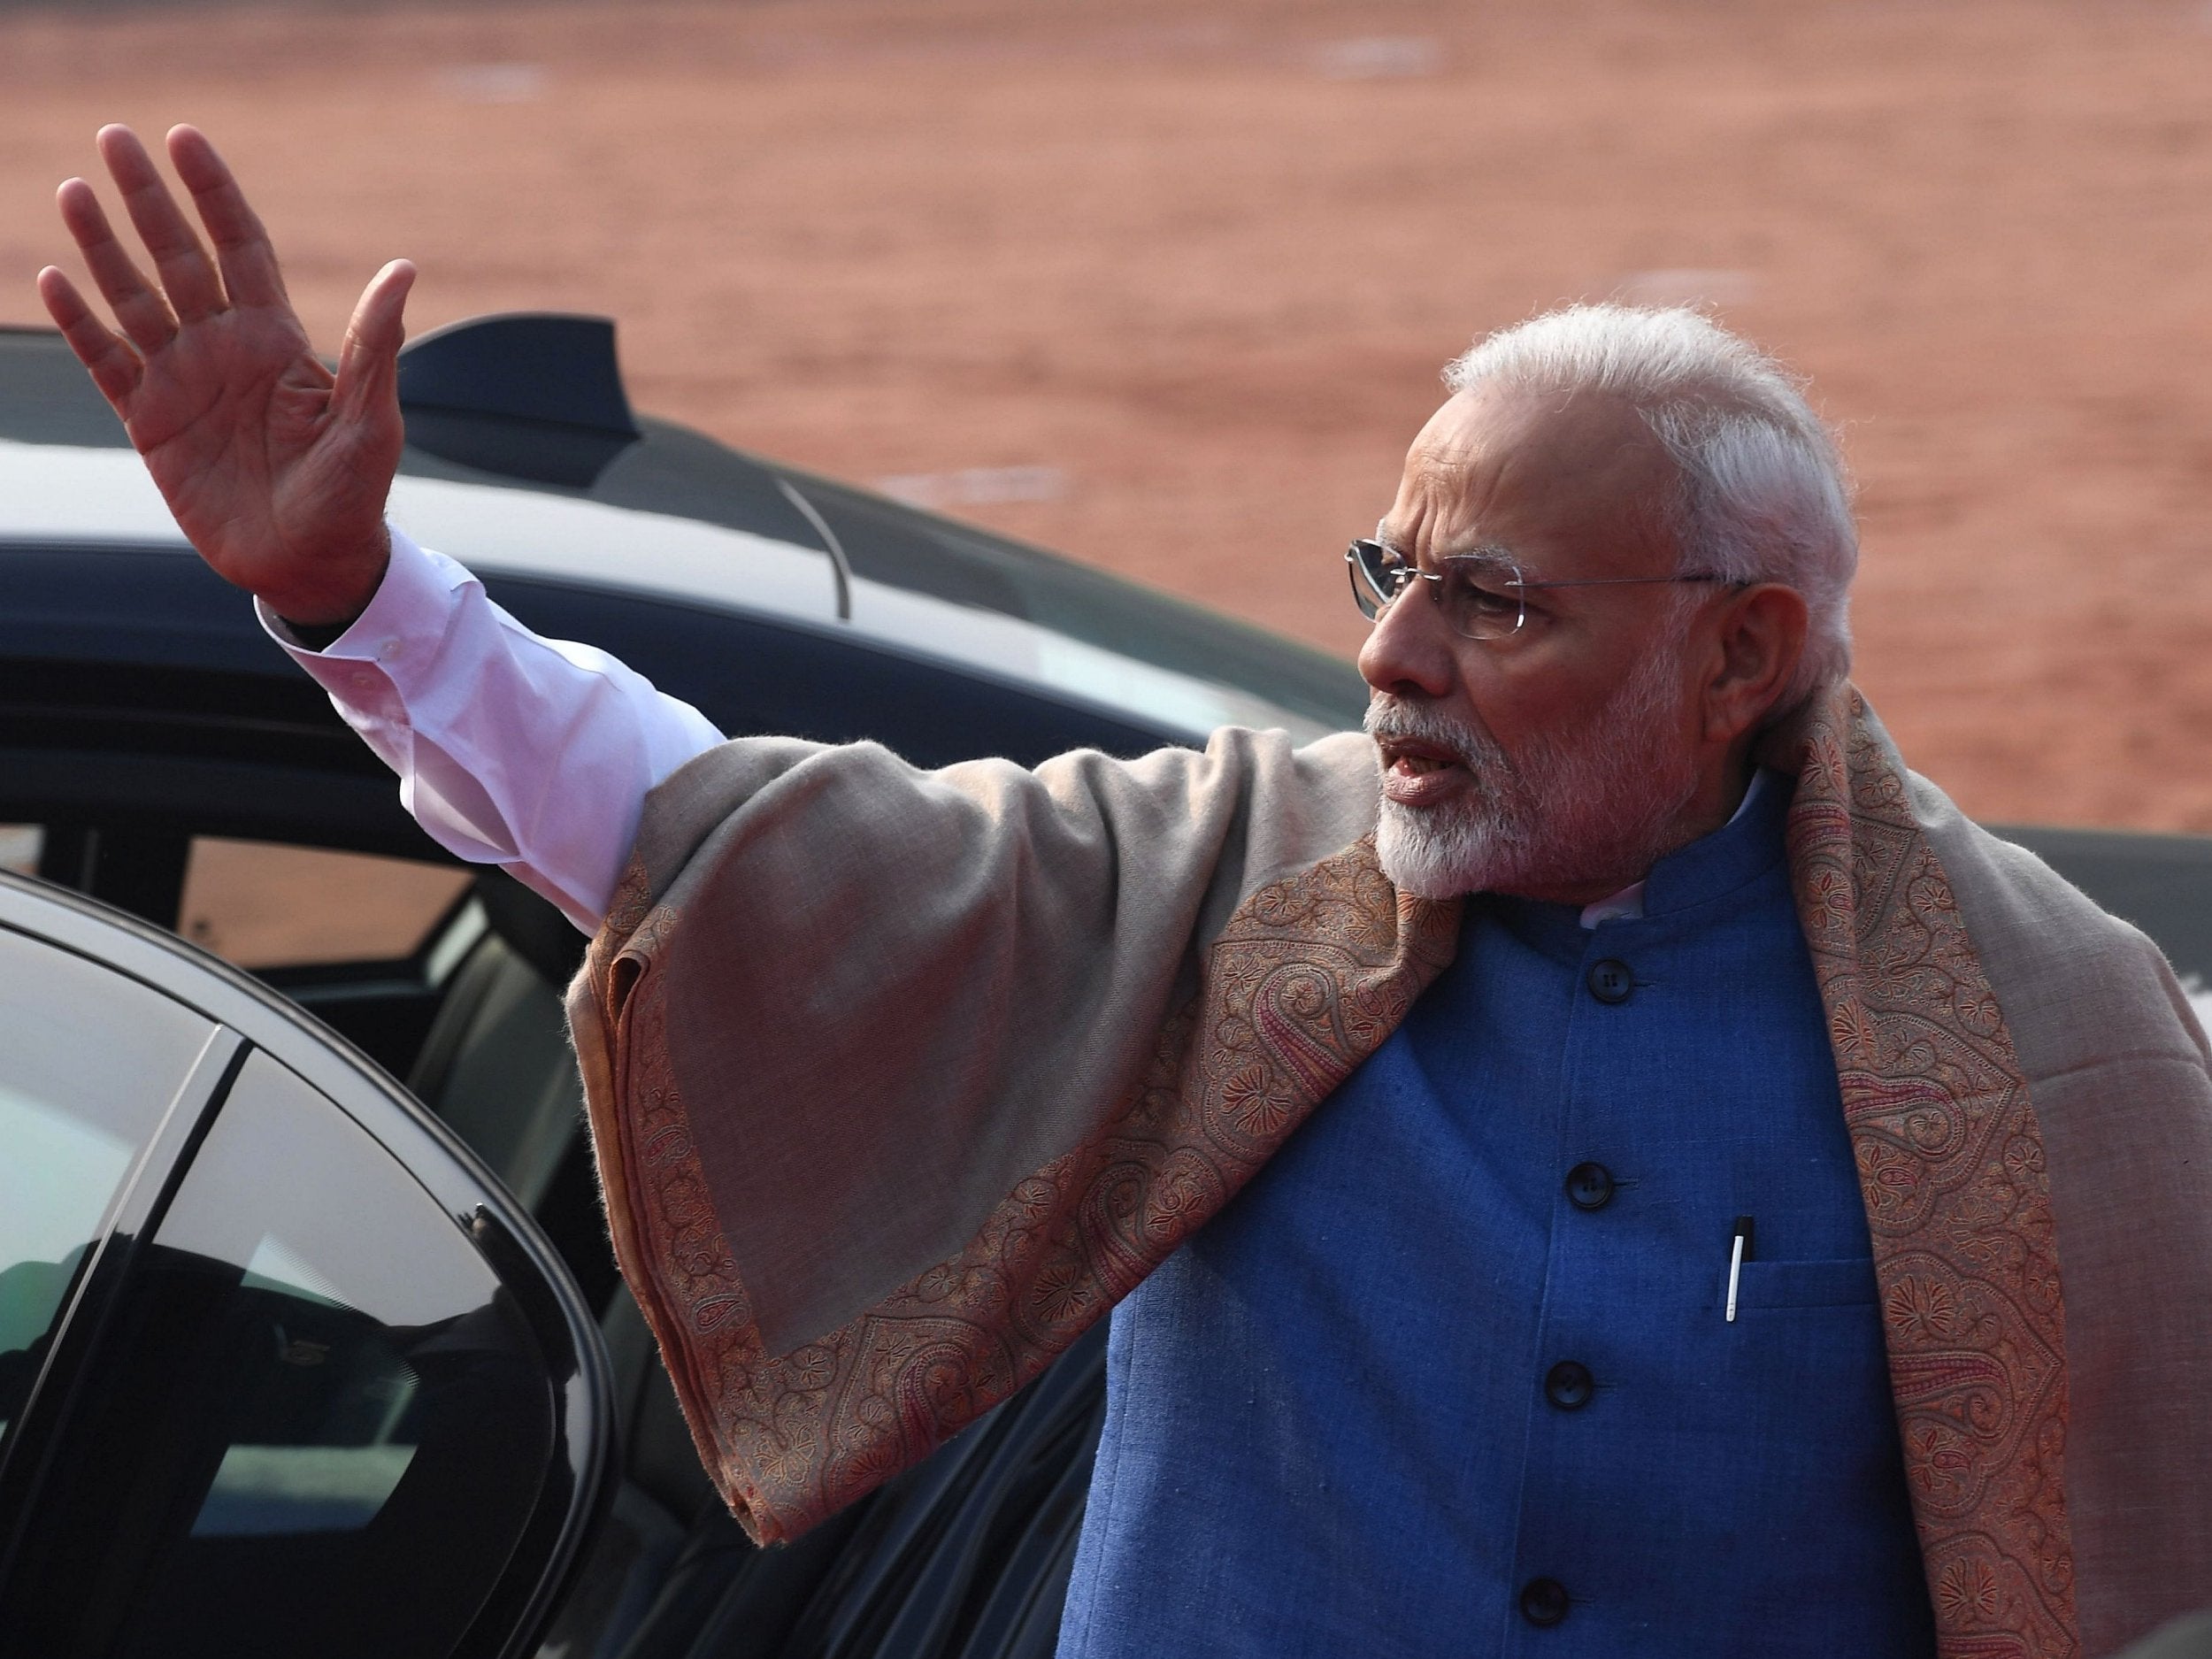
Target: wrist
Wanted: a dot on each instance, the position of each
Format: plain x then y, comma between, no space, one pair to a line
343,590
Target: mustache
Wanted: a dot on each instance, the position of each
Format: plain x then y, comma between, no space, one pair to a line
1391,716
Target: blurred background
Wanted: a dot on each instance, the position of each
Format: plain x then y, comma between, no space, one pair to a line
1167,286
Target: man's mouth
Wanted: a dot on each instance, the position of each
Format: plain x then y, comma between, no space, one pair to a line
1415,773
1410,756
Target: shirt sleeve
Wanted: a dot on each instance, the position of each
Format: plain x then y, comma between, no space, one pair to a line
536,755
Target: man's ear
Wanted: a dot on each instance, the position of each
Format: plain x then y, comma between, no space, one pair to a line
1760,639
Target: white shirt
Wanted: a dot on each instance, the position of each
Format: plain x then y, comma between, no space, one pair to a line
532,754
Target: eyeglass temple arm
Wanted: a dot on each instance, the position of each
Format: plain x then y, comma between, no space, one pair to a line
1617,582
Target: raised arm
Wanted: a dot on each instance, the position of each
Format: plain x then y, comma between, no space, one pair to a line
532,754
536,755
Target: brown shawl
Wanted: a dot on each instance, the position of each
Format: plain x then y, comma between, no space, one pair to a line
900,1079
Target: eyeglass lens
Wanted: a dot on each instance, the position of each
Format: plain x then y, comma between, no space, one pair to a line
1481,597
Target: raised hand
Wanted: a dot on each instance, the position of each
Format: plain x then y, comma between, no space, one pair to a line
277,471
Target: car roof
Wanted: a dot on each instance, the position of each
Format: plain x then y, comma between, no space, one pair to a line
649,508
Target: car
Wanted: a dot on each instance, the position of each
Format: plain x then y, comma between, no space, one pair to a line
163,758
309,1334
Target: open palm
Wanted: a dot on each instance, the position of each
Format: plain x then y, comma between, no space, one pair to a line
277,469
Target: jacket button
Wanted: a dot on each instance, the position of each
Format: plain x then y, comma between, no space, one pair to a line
1568,1385
1543,1602
1608,980
1589,1187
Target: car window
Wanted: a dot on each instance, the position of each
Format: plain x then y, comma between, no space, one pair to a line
89,1062
264,905
322,1413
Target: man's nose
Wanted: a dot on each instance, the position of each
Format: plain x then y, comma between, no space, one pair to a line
1409,653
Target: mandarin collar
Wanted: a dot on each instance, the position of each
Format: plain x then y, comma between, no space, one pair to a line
1738,853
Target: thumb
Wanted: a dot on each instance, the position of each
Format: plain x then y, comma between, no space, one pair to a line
368,362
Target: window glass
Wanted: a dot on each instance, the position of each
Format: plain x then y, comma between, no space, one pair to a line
264,904
322,1414
88,1062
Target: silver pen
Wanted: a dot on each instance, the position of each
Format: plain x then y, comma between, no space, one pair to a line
1739,1253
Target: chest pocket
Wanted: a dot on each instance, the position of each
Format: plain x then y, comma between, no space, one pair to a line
1848,1283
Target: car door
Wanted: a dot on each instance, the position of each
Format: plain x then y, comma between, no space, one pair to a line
282,1370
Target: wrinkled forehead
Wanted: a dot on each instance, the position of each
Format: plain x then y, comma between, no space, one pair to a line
1575,483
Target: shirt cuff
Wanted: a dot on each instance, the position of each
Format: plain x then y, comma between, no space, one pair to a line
407,617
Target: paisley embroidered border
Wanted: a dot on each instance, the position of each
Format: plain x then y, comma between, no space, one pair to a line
1311,975
1950,1162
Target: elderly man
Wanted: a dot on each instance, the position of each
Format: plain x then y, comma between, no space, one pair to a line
1607,1163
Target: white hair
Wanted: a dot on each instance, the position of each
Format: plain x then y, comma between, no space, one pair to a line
1764,495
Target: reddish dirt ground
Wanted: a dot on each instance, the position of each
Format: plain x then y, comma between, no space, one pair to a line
1195,267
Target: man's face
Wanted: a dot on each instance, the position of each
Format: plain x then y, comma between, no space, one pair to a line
1554,763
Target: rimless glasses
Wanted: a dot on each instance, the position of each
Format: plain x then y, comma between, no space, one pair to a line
1483,595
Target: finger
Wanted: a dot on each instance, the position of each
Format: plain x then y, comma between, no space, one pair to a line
114,366
139,307
242,250
186,273
368,362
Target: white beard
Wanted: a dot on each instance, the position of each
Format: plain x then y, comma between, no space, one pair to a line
1572,808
